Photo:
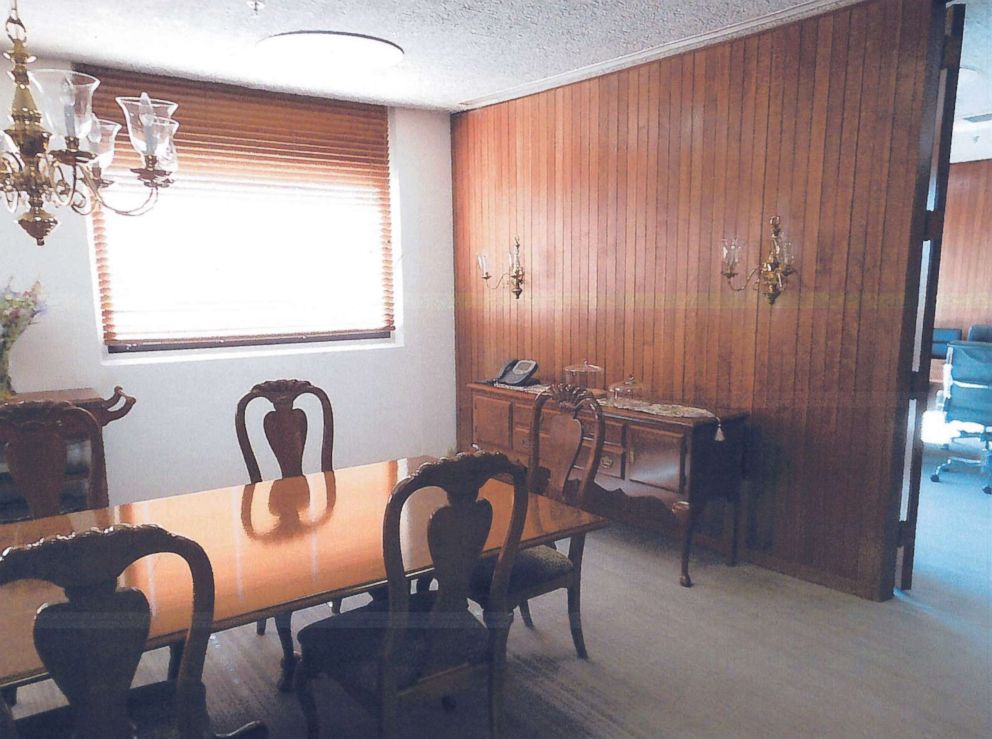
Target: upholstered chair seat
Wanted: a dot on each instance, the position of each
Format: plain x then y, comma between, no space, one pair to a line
347,646
533,568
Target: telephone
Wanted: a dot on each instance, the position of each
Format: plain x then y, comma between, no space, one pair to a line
517,372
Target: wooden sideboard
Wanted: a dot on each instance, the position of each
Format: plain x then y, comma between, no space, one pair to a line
655,470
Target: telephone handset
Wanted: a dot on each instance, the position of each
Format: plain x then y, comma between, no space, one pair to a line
517,372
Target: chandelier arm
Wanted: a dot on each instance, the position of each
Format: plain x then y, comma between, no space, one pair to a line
747,281
498,282
146,206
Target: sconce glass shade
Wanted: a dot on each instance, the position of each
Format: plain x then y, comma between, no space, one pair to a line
731,251
483,261
788,256
66,100
101,141
150,125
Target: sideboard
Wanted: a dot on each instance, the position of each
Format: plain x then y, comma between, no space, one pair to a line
654,471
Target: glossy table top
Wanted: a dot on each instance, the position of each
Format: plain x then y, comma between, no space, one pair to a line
274,546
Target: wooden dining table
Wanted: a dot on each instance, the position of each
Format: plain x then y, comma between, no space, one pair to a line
274,546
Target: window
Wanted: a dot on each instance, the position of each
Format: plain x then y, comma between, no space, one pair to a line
276,230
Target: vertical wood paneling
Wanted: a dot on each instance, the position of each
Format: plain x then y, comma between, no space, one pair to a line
621,188
964,292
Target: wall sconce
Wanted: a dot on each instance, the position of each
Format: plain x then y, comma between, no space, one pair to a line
516,272
773,273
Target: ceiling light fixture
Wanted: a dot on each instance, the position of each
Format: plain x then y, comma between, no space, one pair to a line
320,49
33,177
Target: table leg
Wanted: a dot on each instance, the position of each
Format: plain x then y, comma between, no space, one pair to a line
289,657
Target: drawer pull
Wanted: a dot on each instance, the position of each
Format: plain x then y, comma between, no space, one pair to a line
525,442
606,463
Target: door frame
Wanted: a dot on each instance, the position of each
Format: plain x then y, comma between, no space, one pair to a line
940,92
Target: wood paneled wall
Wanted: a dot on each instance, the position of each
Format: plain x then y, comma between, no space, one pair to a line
620,189
964,290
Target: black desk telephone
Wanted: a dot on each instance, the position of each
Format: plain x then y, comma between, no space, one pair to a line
517,372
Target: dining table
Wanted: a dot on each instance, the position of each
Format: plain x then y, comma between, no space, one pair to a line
275,546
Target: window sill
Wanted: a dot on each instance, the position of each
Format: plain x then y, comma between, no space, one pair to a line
175,356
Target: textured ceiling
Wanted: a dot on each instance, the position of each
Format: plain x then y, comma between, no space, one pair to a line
457,51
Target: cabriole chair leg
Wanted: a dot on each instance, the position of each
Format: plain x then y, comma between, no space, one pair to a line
525,614
301,683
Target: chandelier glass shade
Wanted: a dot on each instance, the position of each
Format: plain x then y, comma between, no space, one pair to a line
55,151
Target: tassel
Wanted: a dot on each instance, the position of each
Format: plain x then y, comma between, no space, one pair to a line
719,436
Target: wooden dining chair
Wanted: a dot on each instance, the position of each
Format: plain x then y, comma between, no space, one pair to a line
35,437
91,643
285,428
427,644
555,447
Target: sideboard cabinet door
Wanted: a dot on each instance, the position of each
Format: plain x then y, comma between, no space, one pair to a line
655,458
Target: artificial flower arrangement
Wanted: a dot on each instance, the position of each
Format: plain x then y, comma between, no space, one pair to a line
17,311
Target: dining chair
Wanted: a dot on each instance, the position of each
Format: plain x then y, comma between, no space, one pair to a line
426,644
91,642
35,436
285,428
555,448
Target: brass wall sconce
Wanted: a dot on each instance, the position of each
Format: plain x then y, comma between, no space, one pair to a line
773,273
515,273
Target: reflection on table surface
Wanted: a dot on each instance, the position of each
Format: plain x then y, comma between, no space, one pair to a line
273,545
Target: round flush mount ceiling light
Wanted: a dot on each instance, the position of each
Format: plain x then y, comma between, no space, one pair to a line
316,49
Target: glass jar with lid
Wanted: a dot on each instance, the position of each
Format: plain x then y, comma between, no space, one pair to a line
585,375
628,394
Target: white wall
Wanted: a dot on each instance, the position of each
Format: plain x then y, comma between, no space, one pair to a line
389,401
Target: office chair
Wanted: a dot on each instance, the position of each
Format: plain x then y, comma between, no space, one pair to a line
941,338
968,398
980,332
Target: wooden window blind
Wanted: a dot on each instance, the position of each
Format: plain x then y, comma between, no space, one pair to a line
277,228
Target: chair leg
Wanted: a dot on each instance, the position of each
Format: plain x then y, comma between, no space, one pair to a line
301,683
496,672
260,626
336,605
525,614
285,631
575,618
10,696
175,658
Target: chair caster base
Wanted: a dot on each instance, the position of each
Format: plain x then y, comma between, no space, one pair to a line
685,581
934,478
987,489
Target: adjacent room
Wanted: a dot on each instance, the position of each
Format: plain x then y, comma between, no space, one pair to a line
452,368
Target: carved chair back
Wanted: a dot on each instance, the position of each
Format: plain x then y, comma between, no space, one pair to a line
578,415
456,537
285,427
34,435
91,643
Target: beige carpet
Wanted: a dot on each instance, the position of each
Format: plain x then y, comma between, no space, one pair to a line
745,653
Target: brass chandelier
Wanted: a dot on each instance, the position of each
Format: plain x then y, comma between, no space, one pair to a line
34,177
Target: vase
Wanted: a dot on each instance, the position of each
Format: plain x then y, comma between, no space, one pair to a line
6,388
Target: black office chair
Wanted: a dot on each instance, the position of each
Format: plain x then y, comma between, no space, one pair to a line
968,398
980,332
941,338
